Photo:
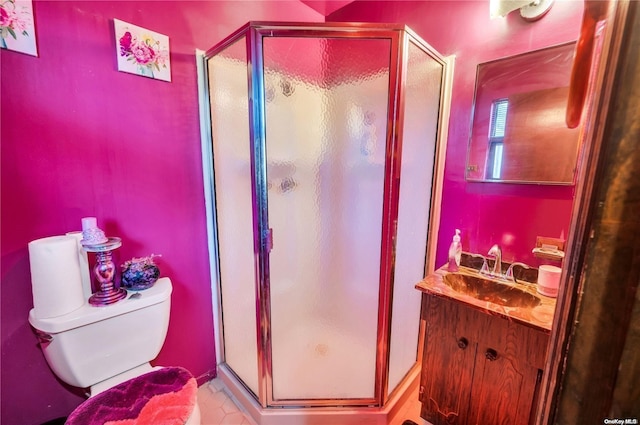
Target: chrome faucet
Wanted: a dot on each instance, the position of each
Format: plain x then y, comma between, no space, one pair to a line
496,253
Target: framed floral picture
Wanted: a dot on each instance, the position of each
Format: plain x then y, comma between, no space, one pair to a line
17,30
142,52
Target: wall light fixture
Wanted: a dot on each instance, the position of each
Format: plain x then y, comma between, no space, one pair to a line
529,10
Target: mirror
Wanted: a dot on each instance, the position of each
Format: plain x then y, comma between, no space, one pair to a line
518,130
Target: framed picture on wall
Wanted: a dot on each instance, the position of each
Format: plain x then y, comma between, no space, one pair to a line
141,51
17,28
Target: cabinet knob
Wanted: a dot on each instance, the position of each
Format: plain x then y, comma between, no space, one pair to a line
491,354
463,342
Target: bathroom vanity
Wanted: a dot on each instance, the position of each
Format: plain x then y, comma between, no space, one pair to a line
482,361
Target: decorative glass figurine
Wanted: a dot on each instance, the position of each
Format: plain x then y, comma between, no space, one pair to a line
140,273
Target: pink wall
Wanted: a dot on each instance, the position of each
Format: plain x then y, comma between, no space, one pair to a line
487,213
80,138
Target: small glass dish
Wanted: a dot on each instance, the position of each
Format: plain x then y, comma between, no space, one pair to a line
140,273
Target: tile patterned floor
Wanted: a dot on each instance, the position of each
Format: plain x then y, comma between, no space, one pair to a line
218,408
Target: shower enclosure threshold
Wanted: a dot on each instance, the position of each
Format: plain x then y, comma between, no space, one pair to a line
321,415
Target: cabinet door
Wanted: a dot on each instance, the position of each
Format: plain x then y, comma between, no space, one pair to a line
507,374
448,360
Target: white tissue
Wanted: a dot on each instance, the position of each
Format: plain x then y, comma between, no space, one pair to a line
83,260
56,279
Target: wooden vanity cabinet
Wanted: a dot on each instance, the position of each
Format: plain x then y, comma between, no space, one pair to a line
478,368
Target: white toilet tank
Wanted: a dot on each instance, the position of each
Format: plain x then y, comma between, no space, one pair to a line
92,344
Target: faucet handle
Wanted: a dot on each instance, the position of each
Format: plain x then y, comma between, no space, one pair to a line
485,267
473,263
509,274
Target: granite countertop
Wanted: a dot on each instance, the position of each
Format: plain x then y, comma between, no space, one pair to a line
540,316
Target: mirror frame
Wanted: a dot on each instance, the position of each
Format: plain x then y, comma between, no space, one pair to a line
541,86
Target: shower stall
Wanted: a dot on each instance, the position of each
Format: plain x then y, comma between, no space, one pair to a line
324,145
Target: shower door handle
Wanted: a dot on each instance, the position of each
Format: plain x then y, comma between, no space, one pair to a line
268,239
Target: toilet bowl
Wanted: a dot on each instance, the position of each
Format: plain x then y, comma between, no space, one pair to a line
100,347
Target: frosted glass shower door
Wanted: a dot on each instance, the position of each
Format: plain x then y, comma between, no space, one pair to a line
419,140
326,117
228,88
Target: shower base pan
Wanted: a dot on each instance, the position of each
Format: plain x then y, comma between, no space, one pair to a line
321,415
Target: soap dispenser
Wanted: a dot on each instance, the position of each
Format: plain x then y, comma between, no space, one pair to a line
455,252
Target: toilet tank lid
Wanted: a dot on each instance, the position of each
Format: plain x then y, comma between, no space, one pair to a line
159,292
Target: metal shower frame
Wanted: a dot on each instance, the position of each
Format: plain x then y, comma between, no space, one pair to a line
400,37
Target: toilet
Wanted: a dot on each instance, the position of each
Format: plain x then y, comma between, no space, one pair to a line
101,347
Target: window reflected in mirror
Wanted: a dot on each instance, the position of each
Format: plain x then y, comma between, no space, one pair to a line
518,132
496,138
